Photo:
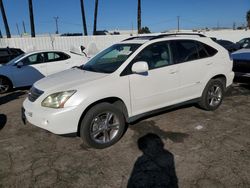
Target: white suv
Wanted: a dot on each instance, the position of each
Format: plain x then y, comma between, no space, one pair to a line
127,81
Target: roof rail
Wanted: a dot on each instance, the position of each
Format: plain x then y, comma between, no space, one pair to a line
152,37
141,37
176,34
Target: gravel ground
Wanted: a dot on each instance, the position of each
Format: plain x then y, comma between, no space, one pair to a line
210,149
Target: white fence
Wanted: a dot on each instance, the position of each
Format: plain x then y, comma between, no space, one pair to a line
94,44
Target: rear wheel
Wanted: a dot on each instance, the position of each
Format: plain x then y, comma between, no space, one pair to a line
212,95
102,126
5,85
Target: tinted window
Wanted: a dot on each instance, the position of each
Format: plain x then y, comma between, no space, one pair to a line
185,50
201,50
33,59
156,55
56,56
211,51
188,50
4,53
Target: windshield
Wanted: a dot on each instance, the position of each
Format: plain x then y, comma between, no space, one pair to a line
110,59
15,59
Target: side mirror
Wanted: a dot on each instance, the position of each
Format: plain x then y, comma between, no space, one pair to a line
140,67
19,64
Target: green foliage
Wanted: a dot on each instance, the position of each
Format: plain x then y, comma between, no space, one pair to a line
144,30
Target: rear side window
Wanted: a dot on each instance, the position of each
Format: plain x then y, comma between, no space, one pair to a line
189,50
56,56
211,51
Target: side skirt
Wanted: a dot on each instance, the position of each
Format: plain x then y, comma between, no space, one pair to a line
160,110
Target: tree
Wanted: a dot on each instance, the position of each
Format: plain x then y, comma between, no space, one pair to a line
139,16
95,17
83,18
248,19
145,30
5,20
32,25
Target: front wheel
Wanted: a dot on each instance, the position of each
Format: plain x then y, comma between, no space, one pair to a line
102,126
212,95
5,85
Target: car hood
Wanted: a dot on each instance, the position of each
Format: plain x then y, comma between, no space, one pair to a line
243,54
69,79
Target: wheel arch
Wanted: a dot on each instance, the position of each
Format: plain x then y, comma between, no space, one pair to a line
221,77
112,100
5,77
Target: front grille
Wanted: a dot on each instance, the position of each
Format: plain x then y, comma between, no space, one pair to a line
34,94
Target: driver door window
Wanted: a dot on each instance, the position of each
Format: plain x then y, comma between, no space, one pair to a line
156,55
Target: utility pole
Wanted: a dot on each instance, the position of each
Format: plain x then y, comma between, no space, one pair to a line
24,29
56,20
95,17
32,25
139,16
17,29
178,23
1,36
6,25
83,18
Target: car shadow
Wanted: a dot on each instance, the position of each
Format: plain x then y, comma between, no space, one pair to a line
11,96
3,121
145,127
239,89
155,167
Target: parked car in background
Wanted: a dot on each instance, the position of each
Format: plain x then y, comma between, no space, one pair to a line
27,68
241,65
230,46
7,54
128,80
244,43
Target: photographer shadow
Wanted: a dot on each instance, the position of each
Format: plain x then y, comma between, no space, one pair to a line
155,168
3,121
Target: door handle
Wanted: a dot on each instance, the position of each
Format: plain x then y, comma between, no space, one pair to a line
173,71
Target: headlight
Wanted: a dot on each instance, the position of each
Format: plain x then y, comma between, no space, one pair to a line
57,100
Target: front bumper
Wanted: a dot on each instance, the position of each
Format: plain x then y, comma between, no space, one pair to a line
58,121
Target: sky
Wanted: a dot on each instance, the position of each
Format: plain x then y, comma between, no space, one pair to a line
158,15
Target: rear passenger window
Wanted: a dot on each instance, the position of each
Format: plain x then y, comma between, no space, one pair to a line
189,50
185,50
211,51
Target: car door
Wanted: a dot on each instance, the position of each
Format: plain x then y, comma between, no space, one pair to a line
57,62
159,86
194,64
29,70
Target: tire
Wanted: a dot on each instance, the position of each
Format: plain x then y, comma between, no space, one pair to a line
212,95
102,126
5,85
